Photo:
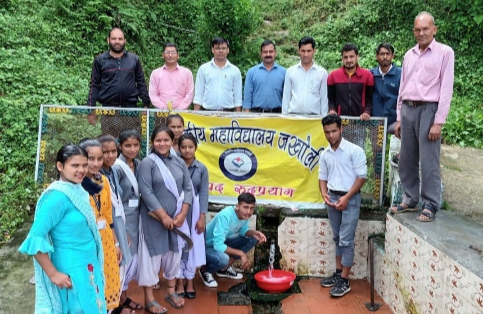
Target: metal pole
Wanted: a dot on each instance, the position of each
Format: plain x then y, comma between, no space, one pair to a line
372,306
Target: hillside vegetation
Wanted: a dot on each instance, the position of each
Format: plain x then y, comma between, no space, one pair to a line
47,49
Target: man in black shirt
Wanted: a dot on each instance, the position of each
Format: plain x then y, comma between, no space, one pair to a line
117,80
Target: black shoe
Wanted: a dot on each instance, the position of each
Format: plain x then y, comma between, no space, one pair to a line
190,294
330,281
208,279
180,294
229,273
340,289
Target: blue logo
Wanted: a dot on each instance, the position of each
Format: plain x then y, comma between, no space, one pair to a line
238,164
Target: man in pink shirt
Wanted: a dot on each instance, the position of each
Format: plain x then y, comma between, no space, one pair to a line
171,83
424,100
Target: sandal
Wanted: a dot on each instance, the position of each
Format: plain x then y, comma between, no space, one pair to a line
190,294
131,304
399,208
426,215
180,294
173,300
123,310
157,305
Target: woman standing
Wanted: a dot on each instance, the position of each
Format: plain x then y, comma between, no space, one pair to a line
176,124
126,166
195,217
99,191
165,188
66,243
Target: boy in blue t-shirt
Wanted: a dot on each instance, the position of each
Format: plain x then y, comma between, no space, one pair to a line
228,238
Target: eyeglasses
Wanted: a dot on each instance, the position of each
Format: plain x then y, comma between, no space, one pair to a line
172,53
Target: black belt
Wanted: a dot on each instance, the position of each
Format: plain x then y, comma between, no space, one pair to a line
277,110
221,109
341,193
412,103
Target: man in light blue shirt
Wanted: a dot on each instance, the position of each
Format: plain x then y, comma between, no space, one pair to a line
264,82
305,88
218,83
228,238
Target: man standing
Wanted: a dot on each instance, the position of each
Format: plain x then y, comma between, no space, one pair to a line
117,80
342,173
350,87
423,104
218,83
386,86
228,238
264,82
305,88
171,83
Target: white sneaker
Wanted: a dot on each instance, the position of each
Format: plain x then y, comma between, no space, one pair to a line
208,279
229,273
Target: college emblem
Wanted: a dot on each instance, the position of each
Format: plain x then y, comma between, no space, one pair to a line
238,164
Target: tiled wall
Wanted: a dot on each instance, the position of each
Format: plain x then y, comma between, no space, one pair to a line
307,246
414,277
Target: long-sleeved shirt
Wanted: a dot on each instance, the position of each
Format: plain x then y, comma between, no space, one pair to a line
263,88
176,86
218,88
222,226
350,95
117,82
341,168
155,195
199,177
305,92
428,76
386,91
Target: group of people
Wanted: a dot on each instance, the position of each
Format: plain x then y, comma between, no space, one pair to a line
111,218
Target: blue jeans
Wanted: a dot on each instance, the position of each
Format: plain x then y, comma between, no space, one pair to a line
219,260
344,224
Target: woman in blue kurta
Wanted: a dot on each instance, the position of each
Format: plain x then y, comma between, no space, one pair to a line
66,244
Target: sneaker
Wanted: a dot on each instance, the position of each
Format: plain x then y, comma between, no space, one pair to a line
229,273
395,161
340,289
208,279
330,281
32,280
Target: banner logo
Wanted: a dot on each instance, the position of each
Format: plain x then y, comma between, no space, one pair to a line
238,164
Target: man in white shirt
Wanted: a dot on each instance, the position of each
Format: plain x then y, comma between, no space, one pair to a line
218,83
342,173
305,88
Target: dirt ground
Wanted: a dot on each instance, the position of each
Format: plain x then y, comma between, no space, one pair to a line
462,173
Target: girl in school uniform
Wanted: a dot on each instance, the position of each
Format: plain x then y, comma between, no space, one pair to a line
195,217
165,188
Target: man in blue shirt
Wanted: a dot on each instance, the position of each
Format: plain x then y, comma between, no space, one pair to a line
264,82
386,86
228,238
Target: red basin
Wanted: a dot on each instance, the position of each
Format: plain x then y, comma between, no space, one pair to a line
281,280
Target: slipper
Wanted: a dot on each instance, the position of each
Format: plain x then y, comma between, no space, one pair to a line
171,300
156,304
121,309
400,209
427,215
128,303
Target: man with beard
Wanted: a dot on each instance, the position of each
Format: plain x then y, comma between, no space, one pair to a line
218,83
350,87
171,83
117,80
264,82
305,88
342,173
422,107
386,85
